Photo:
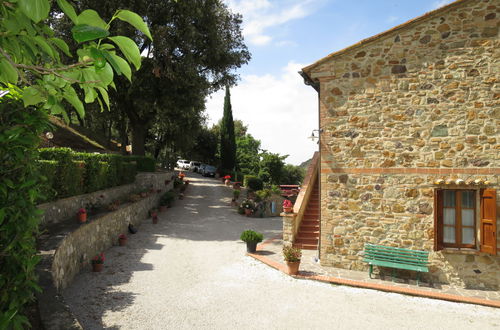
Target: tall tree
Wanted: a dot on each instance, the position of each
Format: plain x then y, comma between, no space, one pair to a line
227,140
197,45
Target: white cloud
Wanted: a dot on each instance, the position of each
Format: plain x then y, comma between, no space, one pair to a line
260,15
281,111
440,3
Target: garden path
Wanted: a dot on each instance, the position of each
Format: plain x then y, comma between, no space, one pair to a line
190,272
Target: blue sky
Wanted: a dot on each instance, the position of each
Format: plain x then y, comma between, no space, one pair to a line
286,35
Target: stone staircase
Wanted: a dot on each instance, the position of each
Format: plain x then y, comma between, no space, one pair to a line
308,235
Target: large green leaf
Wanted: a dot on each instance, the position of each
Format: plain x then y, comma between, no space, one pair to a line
120,63
32,96
134,20
61,45
40,41
91,17
36,10
104,95
71,96
129,49
8,74
105,74
82,33
68,10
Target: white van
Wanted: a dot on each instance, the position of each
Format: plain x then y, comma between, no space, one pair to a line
183,164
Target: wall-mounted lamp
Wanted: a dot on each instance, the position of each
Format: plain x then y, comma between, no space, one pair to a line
314,137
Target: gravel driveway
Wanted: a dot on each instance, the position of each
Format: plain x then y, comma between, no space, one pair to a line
190,271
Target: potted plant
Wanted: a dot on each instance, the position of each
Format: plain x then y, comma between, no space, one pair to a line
248,205
287,206
292,257
251,238
81,215
167,198
122,239
237,185
154,215
227,180
181,176
98,262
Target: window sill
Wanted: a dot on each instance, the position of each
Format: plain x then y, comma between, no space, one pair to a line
466,251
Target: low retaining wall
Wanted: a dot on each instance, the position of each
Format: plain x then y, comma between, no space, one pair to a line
62,209
68,247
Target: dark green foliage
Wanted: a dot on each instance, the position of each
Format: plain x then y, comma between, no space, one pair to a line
144,164
128,172
48,170
167,198
292,174
20,180
78,172
227,139
253,183
271,168
251,236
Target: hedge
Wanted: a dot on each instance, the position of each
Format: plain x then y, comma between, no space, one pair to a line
252,182
144,164
78,172
48,170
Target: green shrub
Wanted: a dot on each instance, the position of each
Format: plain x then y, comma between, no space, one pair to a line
167,198
263,194
56,154
254,183
236,194
48,170
144,164
128,172
251,236
20,179
291,253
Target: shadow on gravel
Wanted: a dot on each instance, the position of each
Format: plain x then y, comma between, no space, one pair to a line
203,215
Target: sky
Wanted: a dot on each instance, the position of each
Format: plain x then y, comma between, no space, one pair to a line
286,35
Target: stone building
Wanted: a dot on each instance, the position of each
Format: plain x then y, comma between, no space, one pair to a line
410,144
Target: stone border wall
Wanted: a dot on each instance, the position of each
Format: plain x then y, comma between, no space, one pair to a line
70,247
62,209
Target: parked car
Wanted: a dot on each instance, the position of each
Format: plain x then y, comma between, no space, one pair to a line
209,171
183,164
202,168
194,166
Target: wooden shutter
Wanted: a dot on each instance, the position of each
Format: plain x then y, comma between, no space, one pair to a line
488,224
438,219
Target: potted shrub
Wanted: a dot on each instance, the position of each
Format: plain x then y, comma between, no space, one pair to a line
237,185
81,215
248,205
292,257
287,206
227,180
167,198
251,238
122,239
98,262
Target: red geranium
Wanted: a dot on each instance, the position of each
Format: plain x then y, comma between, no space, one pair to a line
287,203
227,177
82,211
122,236
98,259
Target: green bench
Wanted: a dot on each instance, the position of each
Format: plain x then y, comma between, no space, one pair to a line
392,257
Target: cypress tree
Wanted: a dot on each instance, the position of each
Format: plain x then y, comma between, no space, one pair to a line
227,139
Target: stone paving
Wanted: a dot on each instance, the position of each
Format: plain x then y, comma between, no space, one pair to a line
270,252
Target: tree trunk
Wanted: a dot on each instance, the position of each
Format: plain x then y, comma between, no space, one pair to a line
139,132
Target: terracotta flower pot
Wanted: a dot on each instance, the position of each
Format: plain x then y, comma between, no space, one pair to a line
155,220
97,267
293,267
227,182
287,209
122,241
82,217
248,212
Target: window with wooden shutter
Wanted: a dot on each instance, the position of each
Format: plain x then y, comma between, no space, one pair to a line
488,224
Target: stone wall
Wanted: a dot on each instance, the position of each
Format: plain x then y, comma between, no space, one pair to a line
62,209
416,104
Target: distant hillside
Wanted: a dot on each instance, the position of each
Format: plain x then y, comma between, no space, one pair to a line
306,163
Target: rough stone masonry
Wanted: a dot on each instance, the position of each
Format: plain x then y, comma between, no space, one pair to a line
400,111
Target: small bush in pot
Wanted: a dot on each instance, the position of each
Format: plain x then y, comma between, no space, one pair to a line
292,256
98,262
251,238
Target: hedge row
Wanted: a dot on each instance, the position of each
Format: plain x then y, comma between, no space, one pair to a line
70,173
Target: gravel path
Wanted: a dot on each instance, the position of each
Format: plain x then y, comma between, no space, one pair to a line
190,271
